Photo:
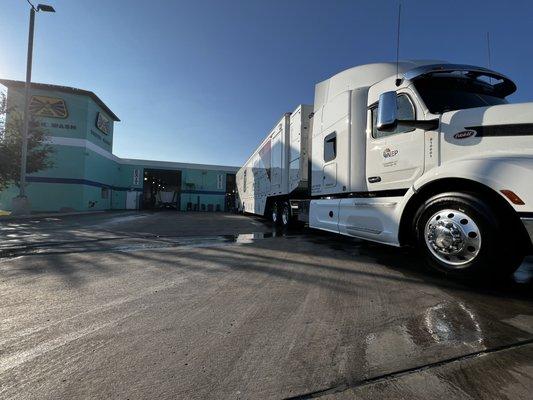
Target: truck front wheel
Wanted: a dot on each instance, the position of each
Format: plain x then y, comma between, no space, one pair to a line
459,234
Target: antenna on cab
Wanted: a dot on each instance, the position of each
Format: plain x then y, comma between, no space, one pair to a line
488,50
398,80
489,55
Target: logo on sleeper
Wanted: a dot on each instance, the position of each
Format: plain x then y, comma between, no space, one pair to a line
388,153
464,134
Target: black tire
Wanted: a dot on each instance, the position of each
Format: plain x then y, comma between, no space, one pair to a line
285,214
487,251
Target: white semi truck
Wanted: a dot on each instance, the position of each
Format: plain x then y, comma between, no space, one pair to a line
418,153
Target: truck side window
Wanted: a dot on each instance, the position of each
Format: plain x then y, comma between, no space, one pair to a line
406,110
330,147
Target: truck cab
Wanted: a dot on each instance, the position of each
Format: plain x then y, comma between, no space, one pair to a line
429,154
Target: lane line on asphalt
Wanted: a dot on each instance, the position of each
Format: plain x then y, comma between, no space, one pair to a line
408,371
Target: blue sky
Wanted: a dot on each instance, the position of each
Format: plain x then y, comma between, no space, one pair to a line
204,80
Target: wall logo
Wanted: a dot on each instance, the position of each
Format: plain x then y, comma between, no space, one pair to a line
51,107
388,153
464,134
103,123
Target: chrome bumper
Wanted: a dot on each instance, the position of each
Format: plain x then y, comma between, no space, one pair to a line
528,224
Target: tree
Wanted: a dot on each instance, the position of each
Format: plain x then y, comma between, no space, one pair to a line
39,151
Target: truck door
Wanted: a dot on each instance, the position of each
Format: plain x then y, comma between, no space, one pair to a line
394,159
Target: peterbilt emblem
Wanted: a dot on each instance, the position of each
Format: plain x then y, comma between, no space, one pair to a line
464,134
387,153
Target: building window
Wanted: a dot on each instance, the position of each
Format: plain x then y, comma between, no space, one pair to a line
136,177
330,147
105,193
406,111
220,181
244,180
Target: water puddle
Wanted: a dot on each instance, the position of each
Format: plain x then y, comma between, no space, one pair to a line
197,241
133,244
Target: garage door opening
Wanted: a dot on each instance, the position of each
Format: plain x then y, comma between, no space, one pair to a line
231,190
161,189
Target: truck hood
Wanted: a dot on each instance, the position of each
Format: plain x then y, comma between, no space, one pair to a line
504,115
505,129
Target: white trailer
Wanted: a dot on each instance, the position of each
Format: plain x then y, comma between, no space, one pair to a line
278,170
417,153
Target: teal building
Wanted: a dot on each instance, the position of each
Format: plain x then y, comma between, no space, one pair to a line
86,175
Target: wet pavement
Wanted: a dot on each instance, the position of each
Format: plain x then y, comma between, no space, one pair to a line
174,305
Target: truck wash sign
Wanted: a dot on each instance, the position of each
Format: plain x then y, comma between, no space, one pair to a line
50,107
103,123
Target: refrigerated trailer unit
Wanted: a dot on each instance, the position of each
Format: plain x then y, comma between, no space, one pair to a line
419,153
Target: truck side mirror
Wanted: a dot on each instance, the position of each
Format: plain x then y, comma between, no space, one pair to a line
387,112
388,121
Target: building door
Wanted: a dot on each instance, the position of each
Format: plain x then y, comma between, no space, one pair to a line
231,189
132,198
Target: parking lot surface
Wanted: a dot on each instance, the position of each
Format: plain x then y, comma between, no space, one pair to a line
218,306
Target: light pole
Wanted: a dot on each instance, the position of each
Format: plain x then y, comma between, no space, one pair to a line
23,205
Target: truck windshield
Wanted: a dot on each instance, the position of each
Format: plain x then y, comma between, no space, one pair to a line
452,92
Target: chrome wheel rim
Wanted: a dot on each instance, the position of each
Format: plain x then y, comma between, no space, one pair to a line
274,213
285,216
453,237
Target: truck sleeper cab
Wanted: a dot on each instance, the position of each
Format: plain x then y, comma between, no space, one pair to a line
433,157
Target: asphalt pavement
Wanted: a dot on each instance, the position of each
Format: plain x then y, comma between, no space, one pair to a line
138,305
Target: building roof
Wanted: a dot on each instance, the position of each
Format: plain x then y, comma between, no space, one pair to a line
65,89
177,165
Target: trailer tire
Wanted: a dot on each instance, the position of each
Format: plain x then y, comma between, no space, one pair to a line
285,214
460,235
274,213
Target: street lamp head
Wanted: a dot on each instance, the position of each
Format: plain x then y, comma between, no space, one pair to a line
45,8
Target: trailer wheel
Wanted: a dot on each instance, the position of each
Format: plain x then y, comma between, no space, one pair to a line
460,235
274,210
286,214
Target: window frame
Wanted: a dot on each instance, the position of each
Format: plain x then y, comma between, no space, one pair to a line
373,108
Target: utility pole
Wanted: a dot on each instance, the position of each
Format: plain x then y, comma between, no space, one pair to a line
26,123
21,205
